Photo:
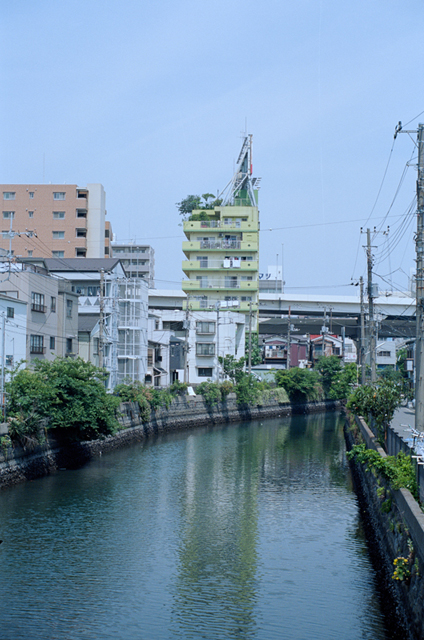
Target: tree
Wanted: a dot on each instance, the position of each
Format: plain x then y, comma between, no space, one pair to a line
69,393
329,368
300,384
256,352
232,368
188,204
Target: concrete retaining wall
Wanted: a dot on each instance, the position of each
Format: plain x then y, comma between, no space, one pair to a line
394,524
19,464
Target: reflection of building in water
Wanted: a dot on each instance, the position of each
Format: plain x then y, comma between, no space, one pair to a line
217,555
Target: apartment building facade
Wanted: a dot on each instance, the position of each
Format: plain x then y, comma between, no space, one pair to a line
222,246
59,221
137,259
112,329
52,311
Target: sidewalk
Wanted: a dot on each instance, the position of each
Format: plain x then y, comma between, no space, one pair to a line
403,420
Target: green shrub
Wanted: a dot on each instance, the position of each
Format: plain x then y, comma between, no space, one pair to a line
210,391
377,401
178,388
247,390
69,393
226,388
302,385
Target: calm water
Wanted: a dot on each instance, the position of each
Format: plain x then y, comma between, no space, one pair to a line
243,532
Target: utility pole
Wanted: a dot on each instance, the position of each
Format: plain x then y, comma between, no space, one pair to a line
249,360
362,345
371,310
289,341
101,317
187,327
419,245
218,304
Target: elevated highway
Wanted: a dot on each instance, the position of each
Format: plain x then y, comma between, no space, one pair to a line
395,314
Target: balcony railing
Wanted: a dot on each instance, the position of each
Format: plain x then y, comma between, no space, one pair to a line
37,349
220,244
41,308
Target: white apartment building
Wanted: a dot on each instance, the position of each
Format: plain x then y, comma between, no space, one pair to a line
206,335
137,259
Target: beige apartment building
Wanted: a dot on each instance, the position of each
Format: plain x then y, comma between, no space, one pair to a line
54,221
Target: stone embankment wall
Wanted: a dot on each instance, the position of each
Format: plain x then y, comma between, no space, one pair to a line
394,525
19,464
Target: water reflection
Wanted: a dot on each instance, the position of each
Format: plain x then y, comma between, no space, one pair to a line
243,532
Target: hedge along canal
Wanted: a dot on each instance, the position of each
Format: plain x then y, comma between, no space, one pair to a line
18,464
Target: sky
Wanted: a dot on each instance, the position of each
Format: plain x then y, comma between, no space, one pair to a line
152,99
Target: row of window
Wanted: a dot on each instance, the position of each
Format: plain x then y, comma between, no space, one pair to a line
11,195
38,304
57,215
36,344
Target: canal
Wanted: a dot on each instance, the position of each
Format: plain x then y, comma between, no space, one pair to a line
248,531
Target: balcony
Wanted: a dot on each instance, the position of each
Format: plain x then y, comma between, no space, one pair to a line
37,349
40,308
218,225
219,245
192,285
201,305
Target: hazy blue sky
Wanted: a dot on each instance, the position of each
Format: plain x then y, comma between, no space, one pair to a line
150,99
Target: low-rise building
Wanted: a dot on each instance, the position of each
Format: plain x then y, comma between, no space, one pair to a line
52,310
112,311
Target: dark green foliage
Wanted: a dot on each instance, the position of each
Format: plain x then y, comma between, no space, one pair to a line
330,370
398,470
178,388
302,385
232,368
188,204
377,401
210,391
135,392
248,389
226,388
256,352
69,393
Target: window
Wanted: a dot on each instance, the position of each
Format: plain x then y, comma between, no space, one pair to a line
31,195
106,251
81,233
81,213
203,300
53,304
30,252
69,308
58,235
9,361
106,233
93,291
9,195
384,354
52,342
203,281
203,261
30,214
8,214
58,254
4,234
68,345
37,302
80,252
246,298
58,215
59,195
36,344
205,349
204,372
205,327
10,312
